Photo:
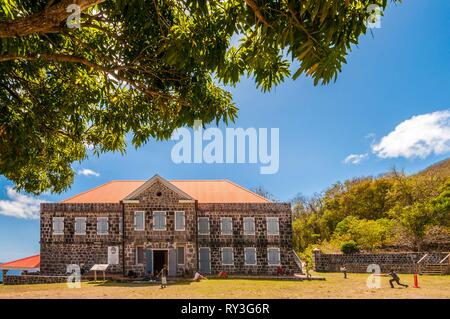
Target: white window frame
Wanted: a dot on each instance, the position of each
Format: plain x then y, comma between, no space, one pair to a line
165,220
183,214
267,226
136,212
209,254
120,225
75,226
184,255
256,256
107,225
254,226
137,255
221,229
60,219
232,256
198,226
279,256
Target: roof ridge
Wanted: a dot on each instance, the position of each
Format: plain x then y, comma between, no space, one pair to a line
247,190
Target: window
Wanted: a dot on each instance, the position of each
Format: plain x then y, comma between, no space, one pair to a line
102,225
159,220
250,256
273,256
58,225
180,255
227,256
203,225
273,226
139,255
179,221
249,225
139,220
226,226
80,225
120,225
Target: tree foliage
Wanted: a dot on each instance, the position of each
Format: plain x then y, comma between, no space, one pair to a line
391,210
147,68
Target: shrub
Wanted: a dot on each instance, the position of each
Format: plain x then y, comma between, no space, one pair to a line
349,247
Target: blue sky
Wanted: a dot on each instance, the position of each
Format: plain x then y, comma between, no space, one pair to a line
401,72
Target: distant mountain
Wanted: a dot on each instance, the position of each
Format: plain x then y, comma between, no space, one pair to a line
440,169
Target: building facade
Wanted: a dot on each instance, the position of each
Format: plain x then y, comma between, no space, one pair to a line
137,227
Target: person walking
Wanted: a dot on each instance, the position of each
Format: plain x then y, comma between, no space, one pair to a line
163,275
344,270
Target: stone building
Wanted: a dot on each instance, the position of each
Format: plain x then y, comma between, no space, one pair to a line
138,226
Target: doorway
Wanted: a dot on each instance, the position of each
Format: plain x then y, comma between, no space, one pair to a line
160,258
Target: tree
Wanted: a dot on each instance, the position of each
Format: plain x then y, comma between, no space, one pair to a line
146,68
261,191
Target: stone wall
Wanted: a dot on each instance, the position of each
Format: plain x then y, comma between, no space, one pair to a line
402,262
238,241
58,251
32,279
158,197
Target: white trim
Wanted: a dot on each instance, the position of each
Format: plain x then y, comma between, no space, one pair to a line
267,225
75,226
184,254
209,257
254,226
256,256
186,201
143,221
130,201
107,225
232,256
165,220
221,230
198,226
150,182
136,262
53,225
279,256
184,220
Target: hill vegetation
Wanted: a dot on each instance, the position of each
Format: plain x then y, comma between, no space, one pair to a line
393,211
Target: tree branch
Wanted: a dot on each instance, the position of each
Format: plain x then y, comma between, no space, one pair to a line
252,4
47,21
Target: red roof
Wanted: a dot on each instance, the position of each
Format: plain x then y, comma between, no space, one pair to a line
32,262
204,191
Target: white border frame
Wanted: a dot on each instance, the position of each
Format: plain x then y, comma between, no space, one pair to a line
198,226
136,263
254,226
75,226
232,256
107,225
165,220
184,220
267,225
134,220
232,226
209,252
256,256
279,256
53,225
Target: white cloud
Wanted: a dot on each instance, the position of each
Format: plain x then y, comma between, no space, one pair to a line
355,158
418,136
88,172
20,206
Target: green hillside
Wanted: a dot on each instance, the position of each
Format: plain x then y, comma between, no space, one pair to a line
393,211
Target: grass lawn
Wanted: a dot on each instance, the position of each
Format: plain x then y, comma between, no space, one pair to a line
335,286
